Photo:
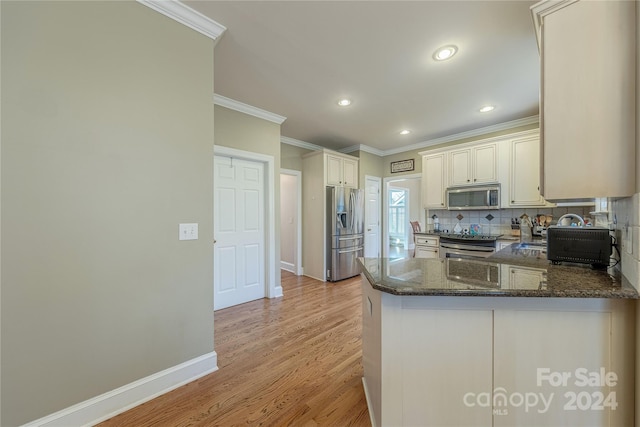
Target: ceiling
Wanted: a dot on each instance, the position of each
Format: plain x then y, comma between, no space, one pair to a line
298,58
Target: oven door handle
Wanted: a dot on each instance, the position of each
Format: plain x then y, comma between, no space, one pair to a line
467,247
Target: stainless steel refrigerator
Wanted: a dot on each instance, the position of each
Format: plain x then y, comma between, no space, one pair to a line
345,235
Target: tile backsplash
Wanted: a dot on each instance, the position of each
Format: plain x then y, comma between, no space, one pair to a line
497,221
626,222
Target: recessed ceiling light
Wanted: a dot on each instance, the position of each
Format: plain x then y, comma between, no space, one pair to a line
344,102
487,108
445,52
405,132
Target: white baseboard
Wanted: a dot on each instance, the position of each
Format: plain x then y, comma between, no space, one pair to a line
288,266
114,402
279,292
369,407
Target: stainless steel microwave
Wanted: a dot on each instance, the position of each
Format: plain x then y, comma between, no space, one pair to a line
473,198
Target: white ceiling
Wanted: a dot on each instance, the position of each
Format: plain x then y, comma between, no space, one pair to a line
297,58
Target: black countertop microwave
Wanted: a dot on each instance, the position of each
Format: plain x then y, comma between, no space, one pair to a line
473,198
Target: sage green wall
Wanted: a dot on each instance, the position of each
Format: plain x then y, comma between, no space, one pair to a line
291,156
369,164
638,97
244,132
414,154
107,144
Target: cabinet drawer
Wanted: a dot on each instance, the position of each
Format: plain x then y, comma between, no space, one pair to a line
427,241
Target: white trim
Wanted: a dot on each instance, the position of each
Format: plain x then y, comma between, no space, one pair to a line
468,134
287,266
365,148
369,405
385,207
377,180
114,402
542,9
455,137
232,104
297,267
273,288
185,15
521,134
301,144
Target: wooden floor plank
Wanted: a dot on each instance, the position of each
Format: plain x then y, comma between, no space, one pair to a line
291,361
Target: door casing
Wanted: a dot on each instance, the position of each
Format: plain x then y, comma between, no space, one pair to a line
272,259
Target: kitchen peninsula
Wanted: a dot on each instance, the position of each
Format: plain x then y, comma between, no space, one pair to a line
502,341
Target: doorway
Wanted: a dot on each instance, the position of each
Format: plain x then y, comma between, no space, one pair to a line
402,204
291,221
372,216
244,227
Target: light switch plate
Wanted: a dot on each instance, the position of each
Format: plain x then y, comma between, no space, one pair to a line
188,231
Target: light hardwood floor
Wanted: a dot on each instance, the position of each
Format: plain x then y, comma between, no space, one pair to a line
292,361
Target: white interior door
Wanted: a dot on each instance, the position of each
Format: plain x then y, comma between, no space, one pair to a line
372,217
239,250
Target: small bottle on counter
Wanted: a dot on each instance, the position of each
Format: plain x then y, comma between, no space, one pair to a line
436,224
526,235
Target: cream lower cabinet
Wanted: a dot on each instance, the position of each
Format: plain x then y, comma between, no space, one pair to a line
572,368
503,361
427,246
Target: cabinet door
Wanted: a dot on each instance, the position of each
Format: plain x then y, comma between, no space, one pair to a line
433,181
439,371
461,167
334,170
587,104
427,252
525,172
565,342
485,164
525,278
350,173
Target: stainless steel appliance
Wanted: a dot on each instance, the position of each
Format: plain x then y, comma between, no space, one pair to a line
345,236
467,245
473,272
476,197
587,245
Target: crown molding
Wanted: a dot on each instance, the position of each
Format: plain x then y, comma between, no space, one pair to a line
183,14
542,9
232,104
363,147
301,144
468,134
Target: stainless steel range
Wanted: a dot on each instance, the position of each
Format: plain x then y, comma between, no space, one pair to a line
467,245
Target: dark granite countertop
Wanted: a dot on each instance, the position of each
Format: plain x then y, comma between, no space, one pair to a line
512,272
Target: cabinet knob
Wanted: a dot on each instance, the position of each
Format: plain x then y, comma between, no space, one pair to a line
468,180
474,180
513,201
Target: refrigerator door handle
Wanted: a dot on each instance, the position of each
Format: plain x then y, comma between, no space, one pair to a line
346,251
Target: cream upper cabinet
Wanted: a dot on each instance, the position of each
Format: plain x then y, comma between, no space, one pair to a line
588,55
475,165
341,171
322,168
525,172
350,172
434,172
